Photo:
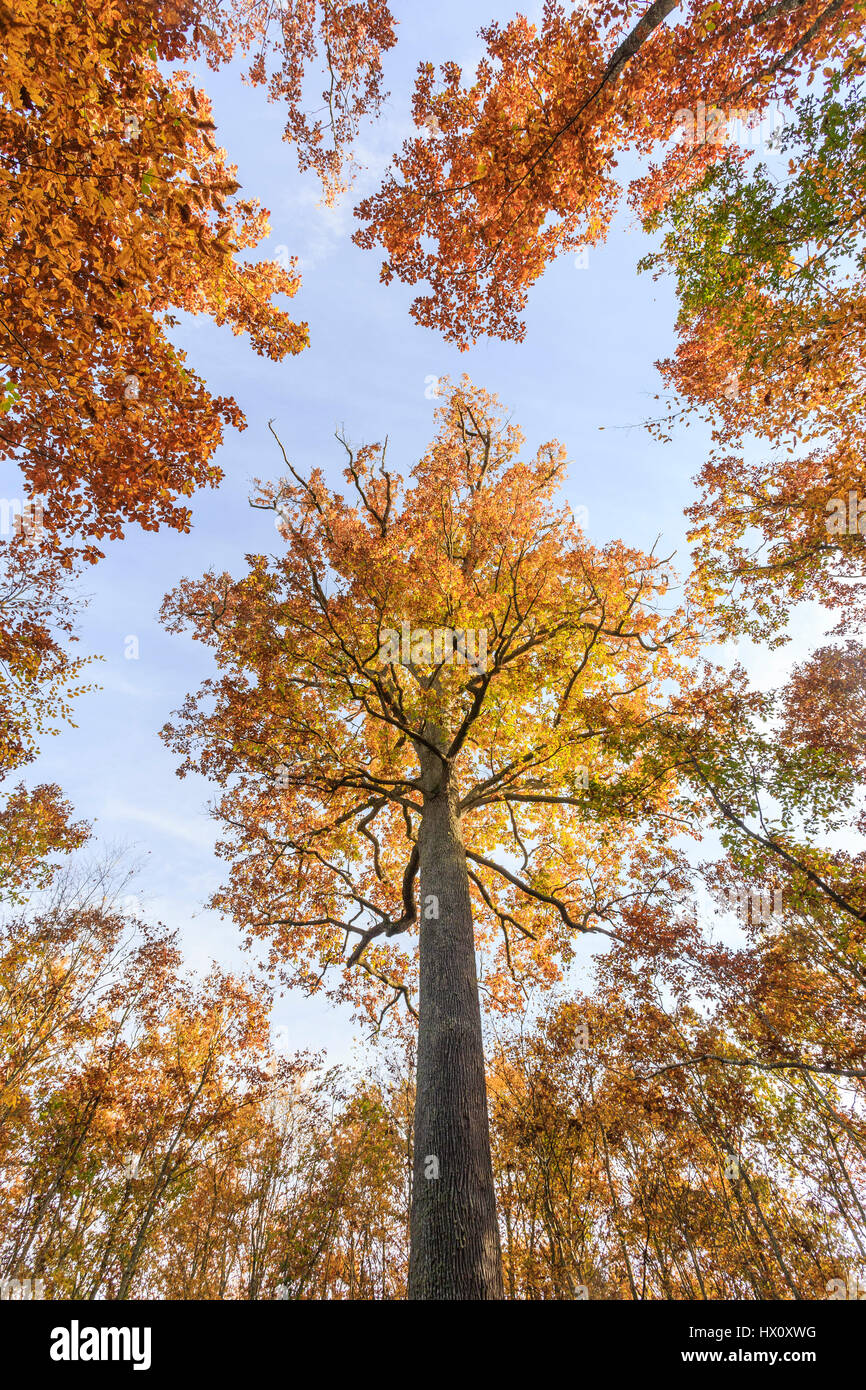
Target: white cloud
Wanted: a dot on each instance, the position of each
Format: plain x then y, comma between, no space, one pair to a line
199,831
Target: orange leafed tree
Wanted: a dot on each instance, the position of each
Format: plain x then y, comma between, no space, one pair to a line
119,1078
34,825
38,679
769,267
518,165
428,726
38,674
341,40
116,210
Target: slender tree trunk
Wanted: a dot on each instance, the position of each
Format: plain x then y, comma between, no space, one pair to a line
454,1233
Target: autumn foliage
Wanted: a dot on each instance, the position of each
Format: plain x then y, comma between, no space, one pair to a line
151,1166
597,900
118,210
769,268
517,166
317,722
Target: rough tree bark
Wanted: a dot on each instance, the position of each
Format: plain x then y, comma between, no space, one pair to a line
454,1244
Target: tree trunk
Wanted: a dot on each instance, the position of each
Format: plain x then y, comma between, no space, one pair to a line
454,1248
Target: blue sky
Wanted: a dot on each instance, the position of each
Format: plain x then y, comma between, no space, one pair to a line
593,335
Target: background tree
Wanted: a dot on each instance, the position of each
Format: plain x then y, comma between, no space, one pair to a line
650,1137
117,1075
38,675
116,209
517,166
34,825
343,39
153,1144
621,1176
38,679
769,268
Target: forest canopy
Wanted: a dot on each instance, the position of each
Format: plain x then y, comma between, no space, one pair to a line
555,810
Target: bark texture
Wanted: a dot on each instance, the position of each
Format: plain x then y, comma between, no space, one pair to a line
455,1251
